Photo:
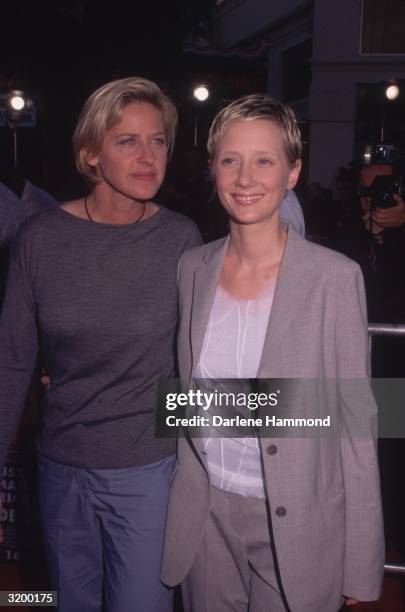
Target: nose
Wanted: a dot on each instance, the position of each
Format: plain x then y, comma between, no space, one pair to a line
146,154
245,176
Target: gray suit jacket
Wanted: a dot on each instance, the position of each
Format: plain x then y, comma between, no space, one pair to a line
329,534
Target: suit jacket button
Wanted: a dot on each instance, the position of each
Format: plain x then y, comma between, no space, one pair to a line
271,449
281,511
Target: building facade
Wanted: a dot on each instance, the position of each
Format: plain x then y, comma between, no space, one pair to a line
328,60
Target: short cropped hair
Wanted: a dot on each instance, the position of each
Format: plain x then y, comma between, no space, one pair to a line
258,106
103,109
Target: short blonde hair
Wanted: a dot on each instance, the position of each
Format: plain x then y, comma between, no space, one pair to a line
103,109
258,106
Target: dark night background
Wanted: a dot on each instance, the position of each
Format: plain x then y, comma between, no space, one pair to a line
58,52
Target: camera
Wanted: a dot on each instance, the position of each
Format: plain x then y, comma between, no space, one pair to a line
381,154
382,190
381,176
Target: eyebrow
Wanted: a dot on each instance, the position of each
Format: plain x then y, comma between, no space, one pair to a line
231,152
120,135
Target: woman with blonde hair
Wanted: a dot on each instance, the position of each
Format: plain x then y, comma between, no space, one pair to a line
265,522
92,291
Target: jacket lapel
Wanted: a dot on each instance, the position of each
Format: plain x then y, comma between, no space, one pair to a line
205,282
294,282
206,278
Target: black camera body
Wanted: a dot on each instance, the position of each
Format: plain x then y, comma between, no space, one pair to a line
382,190
384,186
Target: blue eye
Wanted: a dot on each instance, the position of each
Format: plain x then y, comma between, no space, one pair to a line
159,140
130,140
265,162
227,161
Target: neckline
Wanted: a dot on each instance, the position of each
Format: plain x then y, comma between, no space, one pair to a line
95,224
269,288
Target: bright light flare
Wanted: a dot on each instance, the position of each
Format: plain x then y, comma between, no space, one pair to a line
201,93
17,102
392,92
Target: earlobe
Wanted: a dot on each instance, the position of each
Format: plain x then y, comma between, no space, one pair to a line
294,174
91,159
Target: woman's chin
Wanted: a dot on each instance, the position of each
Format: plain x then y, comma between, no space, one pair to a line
256,220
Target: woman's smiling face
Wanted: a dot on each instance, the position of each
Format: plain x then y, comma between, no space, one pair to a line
251,170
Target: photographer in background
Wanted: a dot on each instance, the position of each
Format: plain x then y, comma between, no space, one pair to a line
382,197
382,190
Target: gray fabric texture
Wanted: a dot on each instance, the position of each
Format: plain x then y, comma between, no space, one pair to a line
324,492
98,302
233,570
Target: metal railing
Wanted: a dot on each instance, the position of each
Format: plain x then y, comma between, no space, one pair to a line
384,329
387,329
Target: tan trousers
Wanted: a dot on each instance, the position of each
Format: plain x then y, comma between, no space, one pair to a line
233,570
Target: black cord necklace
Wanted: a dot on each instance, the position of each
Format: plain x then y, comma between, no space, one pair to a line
132,222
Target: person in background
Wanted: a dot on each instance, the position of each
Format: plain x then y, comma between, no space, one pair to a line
19,199
291,212
12,214
92,293
385,225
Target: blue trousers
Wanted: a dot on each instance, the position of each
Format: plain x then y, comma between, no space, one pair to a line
103,533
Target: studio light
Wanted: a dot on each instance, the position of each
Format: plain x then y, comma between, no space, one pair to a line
17,101
16,111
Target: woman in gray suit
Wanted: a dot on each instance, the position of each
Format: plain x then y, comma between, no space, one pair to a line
260,523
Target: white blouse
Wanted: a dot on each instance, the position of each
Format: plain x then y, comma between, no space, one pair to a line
232,348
